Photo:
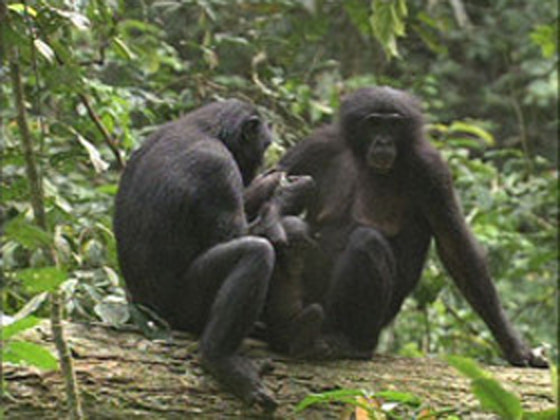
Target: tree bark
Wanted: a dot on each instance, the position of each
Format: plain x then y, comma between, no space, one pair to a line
123,375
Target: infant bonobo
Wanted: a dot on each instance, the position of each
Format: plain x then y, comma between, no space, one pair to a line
196,240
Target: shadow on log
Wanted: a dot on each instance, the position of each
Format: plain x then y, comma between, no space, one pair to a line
123,375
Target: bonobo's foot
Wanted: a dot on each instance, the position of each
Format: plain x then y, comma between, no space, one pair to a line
339,347
528,358
300,336
240,377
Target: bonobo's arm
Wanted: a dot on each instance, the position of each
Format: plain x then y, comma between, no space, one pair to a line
463,259
260,191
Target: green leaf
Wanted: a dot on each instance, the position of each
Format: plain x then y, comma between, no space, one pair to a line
24,353
45,50
46,279
122,49
31,306
115,313
339,395
401,397
18,326
94,156
467,367
80,21
496,399
546,37
26,233
110,189
20,8
478,132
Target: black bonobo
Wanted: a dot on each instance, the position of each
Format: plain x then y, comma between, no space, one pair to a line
383,192
186,243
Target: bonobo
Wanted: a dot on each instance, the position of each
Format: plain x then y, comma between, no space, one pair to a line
383,193
185,245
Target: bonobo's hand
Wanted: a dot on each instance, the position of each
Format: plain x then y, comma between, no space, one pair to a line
261,191
268,224
529,358
293,193
278,195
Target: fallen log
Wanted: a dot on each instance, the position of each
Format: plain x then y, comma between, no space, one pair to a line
123,375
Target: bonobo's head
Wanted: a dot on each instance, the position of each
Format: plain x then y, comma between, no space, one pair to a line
379,125
242,129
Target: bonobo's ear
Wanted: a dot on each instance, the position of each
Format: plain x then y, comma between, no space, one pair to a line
251,126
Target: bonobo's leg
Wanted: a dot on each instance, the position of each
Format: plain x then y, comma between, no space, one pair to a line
362,285
231,280
293,328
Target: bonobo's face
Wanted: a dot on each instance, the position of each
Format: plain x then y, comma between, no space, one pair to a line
382,132
380,125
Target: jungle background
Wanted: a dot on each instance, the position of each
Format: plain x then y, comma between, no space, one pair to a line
84,82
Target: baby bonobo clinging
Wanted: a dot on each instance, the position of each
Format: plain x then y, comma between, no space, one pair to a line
196,239
382,194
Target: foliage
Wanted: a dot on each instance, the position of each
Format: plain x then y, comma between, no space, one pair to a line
99,75
377,405
492,396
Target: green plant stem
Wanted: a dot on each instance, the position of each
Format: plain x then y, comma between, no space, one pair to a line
66,362
3,14
37,203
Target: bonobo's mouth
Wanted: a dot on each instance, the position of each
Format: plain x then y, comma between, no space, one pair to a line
381,164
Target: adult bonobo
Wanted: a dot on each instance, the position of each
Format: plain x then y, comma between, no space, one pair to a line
184,243
383,192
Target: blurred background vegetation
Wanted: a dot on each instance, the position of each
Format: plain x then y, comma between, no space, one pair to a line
99,75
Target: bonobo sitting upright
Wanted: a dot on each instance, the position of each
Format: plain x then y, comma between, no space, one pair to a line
383,193
185,247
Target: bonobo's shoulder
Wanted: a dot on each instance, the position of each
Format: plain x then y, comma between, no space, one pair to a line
319,148
428,164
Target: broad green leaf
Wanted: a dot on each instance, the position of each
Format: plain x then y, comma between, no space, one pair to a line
20,8
94,156
45,50
46,279
31,306
113,312
80,21
467,367
494,397
546,37
110,189
26,233
401,397
478,132
19,326
31,354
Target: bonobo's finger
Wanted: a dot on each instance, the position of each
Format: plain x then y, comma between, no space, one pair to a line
260,191
537,358
267,224
262,398
265,367
293,193
529,358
